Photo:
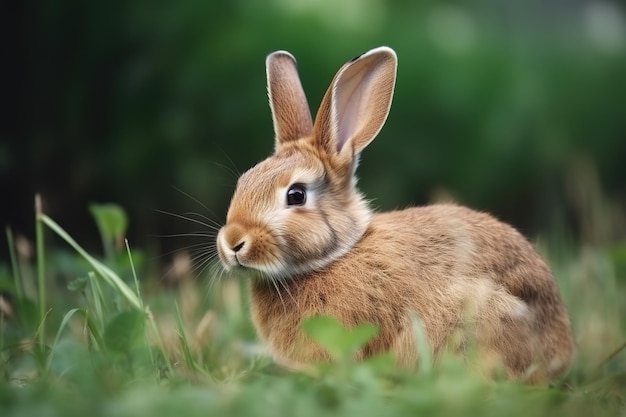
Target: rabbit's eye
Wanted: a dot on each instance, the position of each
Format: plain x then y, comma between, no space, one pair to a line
296,195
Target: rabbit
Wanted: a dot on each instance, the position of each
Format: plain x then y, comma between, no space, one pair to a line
298,220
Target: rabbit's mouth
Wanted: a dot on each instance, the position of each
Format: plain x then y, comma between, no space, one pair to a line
247,248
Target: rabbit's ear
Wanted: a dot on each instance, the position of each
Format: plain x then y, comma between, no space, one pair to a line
357,102
290,110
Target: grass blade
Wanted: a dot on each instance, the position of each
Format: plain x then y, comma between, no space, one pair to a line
157,335
132,267
104,271
64,322
423,349
41,273
96,333
183,341
17,276
96,293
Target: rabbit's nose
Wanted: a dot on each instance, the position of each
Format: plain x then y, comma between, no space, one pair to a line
238,246
232,237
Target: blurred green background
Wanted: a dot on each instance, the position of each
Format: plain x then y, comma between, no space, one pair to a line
515,107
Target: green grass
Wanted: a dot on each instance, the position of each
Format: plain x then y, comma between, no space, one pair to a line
82,336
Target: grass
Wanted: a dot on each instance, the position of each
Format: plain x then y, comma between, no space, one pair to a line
78,337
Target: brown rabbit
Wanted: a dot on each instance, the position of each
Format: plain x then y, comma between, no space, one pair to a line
298,218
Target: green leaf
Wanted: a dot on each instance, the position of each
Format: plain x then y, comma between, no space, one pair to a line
338,340
111,219
124,329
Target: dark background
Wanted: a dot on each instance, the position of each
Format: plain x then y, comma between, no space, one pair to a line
515,107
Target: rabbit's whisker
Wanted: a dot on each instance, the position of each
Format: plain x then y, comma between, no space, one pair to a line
204,206
185,216
191,234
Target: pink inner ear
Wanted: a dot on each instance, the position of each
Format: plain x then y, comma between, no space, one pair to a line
350,102
355,107
346,112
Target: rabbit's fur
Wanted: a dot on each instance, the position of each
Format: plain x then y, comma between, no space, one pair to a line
471,280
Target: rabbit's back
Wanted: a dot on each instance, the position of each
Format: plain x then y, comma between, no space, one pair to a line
472,281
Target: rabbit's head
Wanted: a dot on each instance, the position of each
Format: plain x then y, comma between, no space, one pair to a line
299,209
